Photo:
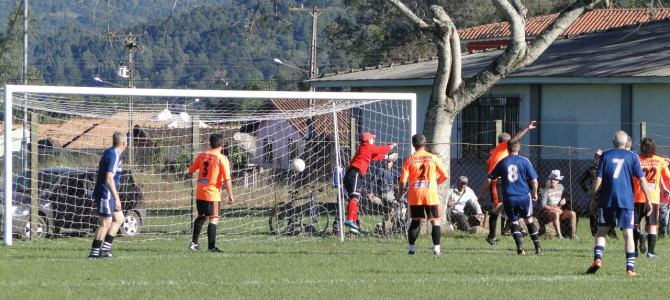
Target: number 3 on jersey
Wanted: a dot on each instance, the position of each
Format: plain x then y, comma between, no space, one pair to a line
512,173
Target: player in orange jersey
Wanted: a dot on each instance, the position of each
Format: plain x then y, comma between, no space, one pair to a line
495,156
213,172
655,170
422,172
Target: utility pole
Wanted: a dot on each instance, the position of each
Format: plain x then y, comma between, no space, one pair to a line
314,12
131,42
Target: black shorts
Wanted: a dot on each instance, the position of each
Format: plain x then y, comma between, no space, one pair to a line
651,219
208,209
430,212
351,181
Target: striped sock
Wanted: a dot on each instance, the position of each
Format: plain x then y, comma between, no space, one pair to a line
630,261
598,252
95,248
107,245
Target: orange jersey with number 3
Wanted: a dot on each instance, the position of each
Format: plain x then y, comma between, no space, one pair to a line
213,170
422,171
655,170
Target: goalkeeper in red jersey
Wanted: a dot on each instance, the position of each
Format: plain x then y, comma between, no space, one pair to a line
367,152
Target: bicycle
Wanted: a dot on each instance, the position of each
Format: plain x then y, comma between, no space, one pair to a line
310,218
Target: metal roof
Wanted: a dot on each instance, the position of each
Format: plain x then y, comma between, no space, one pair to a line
635,51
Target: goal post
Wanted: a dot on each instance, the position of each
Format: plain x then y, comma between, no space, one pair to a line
264,132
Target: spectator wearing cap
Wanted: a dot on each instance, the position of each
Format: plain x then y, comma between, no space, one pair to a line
459,198
353,178
552,202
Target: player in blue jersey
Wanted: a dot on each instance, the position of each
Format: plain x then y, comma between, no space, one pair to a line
106,196
617,168
519,185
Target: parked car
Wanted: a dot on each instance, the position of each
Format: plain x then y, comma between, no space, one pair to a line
66,203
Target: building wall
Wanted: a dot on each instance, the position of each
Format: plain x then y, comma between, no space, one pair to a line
651,104
279,131
580,115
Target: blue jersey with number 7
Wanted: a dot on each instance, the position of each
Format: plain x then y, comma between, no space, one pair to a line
516,171
617,168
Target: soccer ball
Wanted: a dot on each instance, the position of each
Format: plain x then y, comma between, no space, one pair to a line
297,165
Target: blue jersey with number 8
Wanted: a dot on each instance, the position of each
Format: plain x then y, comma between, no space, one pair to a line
516,172
617,168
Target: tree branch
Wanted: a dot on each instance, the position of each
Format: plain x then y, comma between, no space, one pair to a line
549,35
408,13
454,79
520,8
517,21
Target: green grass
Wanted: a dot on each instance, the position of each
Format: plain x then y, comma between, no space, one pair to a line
324,268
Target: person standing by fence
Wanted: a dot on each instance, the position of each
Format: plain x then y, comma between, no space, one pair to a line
497,154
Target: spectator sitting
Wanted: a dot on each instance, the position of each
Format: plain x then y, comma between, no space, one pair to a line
551,203
459,197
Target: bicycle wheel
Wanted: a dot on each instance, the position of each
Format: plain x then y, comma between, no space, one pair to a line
314,220
279,221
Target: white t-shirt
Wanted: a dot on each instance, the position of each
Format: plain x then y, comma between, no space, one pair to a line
461,199
552,196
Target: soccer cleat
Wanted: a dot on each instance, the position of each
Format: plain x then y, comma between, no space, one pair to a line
353,228
632,273
643,243
538,251
652,255
437,253
91,256
595,266
521,252
411,249
351,225
215,250
491,240
194,247
106,254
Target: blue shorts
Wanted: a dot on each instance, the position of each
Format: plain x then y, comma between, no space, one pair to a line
105,205
611,216
517,207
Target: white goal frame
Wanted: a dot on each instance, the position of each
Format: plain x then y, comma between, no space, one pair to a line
10,90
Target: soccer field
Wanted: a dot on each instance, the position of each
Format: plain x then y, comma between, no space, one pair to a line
324,268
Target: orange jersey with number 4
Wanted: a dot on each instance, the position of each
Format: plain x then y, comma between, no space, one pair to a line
213,169
655,170
422,171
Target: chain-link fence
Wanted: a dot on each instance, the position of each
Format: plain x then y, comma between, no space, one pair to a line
576,171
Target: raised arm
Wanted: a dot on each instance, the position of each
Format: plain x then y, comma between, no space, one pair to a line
523,132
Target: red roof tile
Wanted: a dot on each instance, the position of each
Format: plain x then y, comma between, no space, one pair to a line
592,21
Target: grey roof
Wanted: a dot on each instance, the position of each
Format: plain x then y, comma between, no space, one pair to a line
635,51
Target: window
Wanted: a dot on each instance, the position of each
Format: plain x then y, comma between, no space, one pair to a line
477,123
292,149
268,154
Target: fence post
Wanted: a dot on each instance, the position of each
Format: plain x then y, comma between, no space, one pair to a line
572,199
643,130
195,149
34,192
499,129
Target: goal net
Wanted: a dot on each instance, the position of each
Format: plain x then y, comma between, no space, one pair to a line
284,148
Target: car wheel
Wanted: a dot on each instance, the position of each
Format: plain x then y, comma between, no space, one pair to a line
131,224
39,233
